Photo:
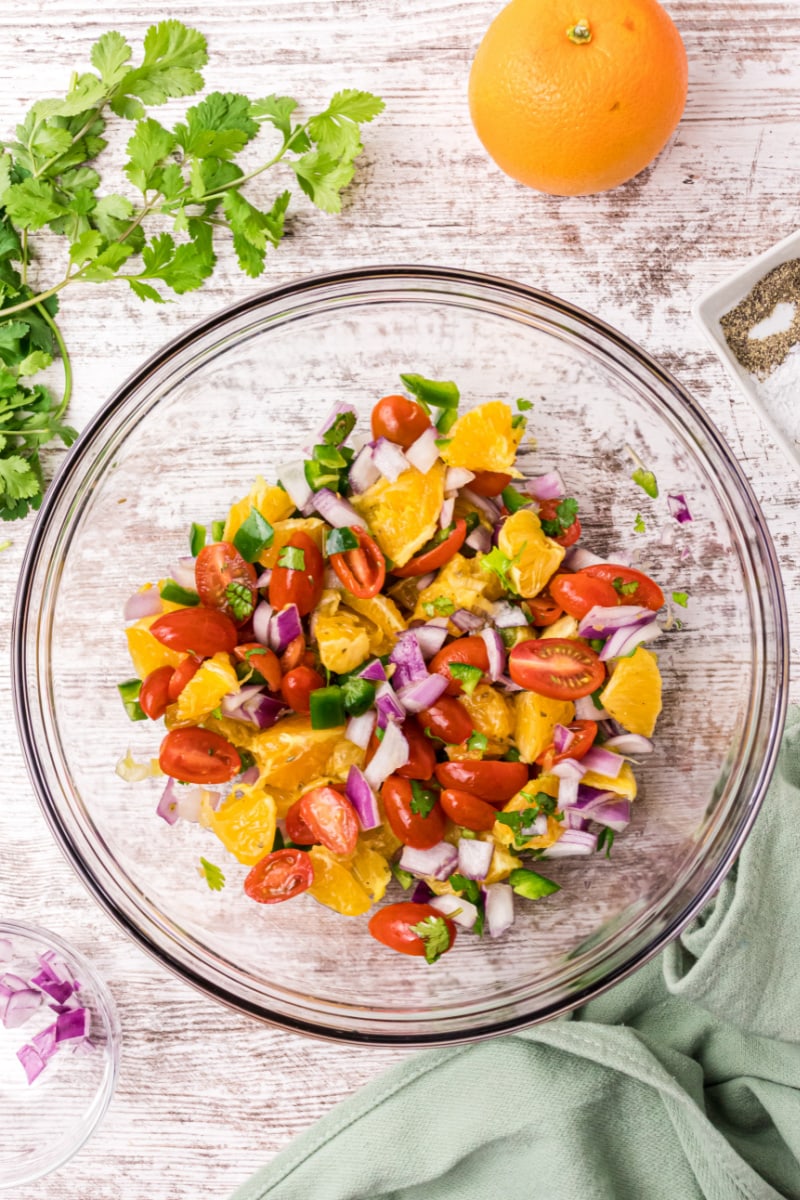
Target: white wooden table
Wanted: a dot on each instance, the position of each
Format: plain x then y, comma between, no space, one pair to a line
206,1096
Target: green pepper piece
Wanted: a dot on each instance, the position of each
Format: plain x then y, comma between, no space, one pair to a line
197,539
327,708
129,691
253,536
530,885
357,695
176,594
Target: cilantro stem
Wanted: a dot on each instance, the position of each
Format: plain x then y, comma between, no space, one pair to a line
636,460
65,358
24,265
145,211
235,184
93,115
34,300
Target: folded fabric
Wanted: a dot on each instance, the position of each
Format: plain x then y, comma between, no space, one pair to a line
681,1082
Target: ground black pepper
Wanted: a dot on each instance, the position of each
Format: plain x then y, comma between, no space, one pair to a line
760,356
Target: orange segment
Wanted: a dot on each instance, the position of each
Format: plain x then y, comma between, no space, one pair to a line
404,515
484,439
272,502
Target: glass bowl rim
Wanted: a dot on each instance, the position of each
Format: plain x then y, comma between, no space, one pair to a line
361,278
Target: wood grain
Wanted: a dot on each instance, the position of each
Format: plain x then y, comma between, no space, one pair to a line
205,1095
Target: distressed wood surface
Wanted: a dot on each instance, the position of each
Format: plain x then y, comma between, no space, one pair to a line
205,1096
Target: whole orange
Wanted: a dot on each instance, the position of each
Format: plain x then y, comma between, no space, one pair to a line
577,96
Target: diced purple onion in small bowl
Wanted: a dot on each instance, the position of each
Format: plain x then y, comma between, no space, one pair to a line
360,729
6,950
416,697
456,478
363,472
495,652
363,799
678,508
572,842
32,1061
337,511
284,627
508,616
474,857
388,705
408,659
392,753
293,477
546,487
499,909
143,604
463,912
261,619
424,452
17,1004
629,744
438,862
389,459
72,1024
480,540
466,621
374,671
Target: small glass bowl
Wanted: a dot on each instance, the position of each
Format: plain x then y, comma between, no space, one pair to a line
47,1121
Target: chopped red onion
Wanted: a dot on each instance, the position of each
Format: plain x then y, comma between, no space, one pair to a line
446,515
578,557
567,792
592,797
546,487
265,578
18,1004
571,842
562,738
32,1061
190,800
483,504
603,762
424,581
615,814
363,799
250,776
335,510
467,621
625,641
570,768
574,819
474,857
463,912
416,697
72,1024
168,804
431,638
408,660
586,710
6,949
438,862
456,478
261,620
537,828
498,525
422,893
45,1042
389,459
143,604
359,729
293,477
183,573
374,671
508,685
284,628
264,711
666,538
496,653
678,508
389,707
337,411
391,754
508,616
480,540
629,743
601,622
424,452
231,703
499,909
363,472
56,968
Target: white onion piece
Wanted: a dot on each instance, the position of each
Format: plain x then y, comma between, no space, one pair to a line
424,452
567,792
389,459
537,828
508,616
168,804
261,620
293,477
466,621
496,653
571,842
363,472
446,515
474,858
182,572
499,909
604,762
335,510
577,558
359,729
463,911
586,710
479,540
143,604
546,487
456,478
438,862
629,743
189,801
391,754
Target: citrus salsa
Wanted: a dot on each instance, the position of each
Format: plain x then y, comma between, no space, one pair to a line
396,665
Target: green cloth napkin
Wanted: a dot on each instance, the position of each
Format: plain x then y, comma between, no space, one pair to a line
681,1082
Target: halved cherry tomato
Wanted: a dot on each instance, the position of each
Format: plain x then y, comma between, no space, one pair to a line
437,557
421,754
296,827
154,692
494,781
263,660
585,732
577,594
647,594
184,671
547,512
216,567
489,483
468,810
362,571
196,755
412,828
303,588
544,609
562,668
400,420
296,688
279,876
198,631
448,719
331,819
469,651
393,926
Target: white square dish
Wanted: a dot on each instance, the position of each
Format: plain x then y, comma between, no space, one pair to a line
708,310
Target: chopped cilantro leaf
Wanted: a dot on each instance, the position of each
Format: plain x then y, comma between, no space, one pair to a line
422,799
469,677
468,888
512,754
639,525
624,589
240,599
646,480
435,934
404,878
530,885
606,839
518,421
442,606
524,405
499,563
681,598
566,513
477,741
339,541
213,875
292,557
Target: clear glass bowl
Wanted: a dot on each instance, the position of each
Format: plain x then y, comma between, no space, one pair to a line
47,1121
236,397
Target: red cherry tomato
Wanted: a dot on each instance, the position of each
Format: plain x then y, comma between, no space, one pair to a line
184,671
393,926
494,781
547,512
362,571
279,876
263,660
577,594
469,651
489,483
544,609
562,668
216,567
300,587
400,420
437,557
421,754
468,810
296,827
449,720
331,819
647,594
296,688
412,828
198,756
154,693
585,732
198,631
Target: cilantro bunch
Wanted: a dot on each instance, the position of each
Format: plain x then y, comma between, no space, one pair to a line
187,189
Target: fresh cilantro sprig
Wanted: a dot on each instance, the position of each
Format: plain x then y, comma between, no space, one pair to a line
642,477
436,936
566,512
423,800
186,176
213,875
